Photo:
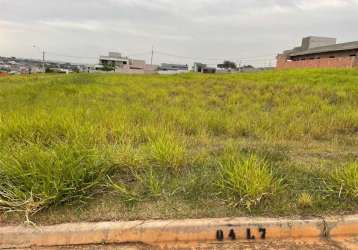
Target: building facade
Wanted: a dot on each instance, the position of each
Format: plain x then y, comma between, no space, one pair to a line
199,67
120,64
203,68
173,67
320,52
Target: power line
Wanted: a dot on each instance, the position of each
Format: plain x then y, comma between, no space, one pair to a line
140,54
72,56
188,57
89,57
258,60
151,53
212,59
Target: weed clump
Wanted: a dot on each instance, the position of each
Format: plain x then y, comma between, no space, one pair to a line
305,200
139,185
343,181
246,181
168,152
34,178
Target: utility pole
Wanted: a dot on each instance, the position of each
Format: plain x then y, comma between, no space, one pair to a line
43,61
43,56
240,65
151,59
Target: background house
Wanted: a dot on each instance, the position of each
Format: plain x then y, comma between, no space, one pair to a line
120,64
320,52
203,68
173,67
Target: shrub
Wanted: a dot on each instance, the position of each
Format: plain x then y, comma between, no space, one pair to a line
246,181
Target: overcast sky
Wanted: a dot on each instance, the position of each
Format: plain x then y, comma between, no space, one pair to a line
205,30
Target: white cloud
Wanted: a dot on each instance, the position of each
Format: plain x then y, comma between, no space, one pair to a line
318,4
62,24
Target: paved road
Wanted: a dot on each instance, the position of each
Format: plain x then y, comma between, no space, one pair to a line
336,244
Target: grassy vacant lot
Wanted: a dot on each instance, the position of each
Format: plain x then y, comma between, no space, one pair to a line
102,147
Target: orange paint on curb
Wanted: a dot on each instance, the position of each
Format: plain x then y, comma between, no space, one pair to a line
162,232
344,226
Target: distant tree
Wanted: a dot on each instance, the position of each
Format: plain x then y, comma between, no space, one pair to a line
248,67
48,70
227,65
107,68
3,69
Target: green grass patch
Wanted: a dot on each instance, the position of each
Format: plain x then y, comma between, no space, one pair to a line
343,181
33,178
167,152
246,181
193,145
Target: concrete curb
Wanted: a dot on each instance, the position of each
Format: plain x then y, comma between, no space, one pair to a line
342,226
171,231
